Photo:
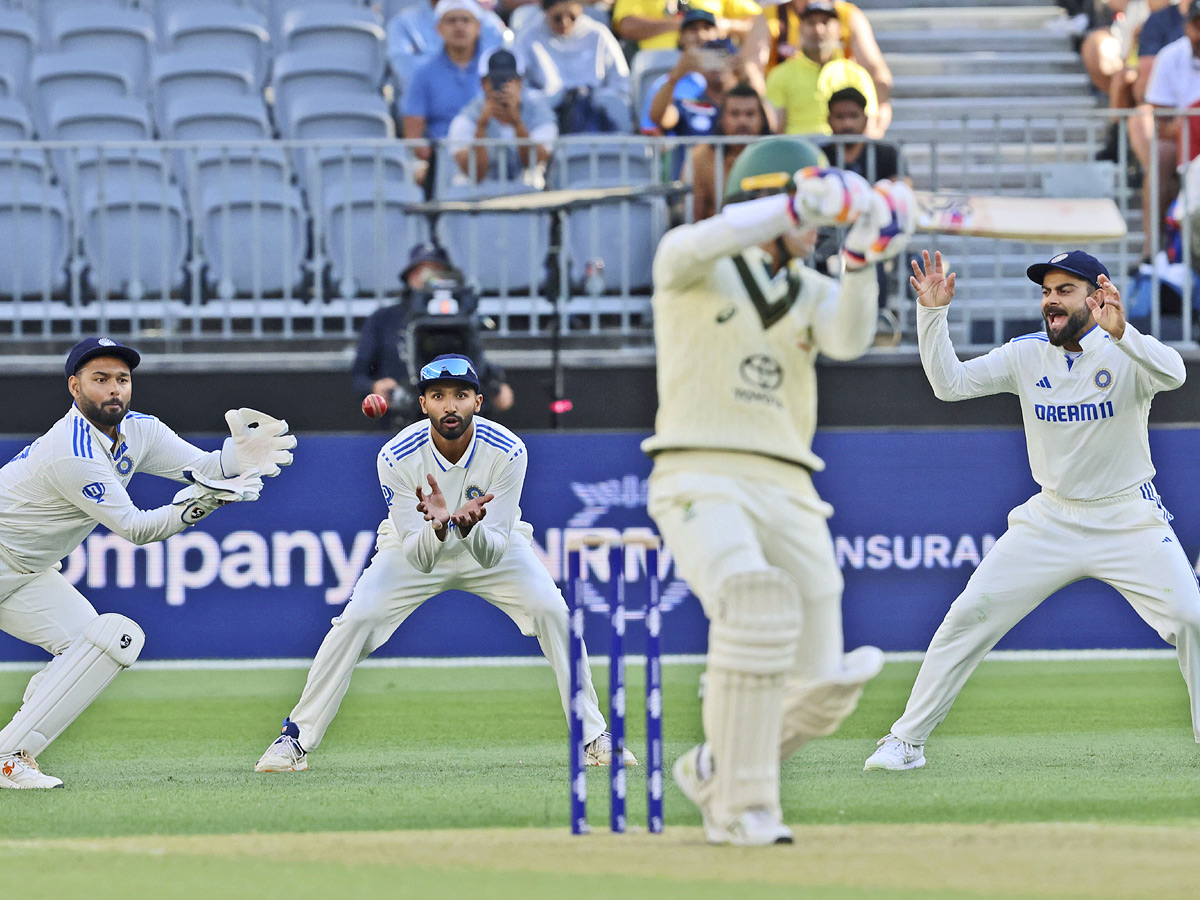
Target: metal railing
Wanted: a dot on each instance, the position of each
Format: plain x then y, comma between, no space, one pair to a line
195,242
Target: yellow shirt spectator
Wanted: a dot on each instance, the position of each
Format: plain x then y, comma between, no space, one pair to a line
801,88
657,9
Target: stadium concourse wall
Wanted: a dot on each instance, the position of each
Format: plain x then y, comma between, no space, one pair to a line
917,505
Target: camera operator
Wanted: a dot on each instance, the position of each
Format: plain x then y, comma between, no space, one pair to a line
435,307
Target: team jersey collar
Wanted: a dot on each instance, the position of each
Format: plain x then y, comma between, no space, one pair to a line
464,461
1094,338
104,439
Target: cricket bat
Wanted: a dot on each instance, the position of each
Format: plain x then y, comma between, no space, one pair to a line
1050,220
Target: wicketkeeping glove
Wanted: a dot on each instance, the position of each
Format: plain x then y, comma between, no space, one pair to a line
205,494
259,441
883,230
829,196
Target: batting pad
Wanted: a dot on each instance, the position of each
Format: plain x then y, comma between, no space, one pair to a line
816,708
108,644
751,644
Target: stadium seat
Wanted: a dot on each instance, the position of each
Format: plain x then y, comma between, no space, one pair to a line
277,10
26,172
54,76
35,232
183,72
221,31
368,234
298,74
601,164
209,165
504,253
327,168
337,31
220,117
125,34
18,43
134,238
15,123
254,238
646,66
395,7
330,114
48,11
99,119
92,171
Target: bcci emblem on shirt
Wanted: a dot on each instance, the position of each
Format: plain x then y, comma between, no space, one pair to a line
1103,379
473,492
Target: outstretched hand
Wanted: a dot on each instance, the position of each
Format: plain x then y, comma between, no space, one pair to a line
471,512
433,506
934,288
1109,313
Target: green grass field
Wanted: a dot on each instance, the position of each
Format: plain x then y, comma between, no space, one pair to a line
1054,779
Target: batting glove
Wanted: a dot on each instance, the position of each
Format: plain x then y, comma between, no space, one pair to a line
884,229
829,196
205,494
258,442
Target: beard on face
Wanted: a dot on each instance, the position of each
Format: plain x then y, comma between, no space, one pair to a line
108,414
1071,330
453,432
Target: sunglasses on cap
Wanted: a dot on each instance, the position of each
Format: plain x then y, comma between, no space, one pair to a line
448,368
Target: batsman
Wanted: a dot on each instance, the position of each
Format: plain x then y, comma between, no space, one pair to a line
739,321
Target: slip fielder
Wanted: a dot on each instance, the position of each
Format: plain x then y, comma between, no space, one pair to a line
56,490
1085,386
476,468
738,324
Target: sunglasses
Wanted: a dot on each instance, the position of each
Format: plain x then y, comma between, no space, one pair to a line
448,368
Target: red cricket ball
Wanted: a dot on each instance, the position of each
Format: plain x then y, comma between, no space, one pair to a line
374,406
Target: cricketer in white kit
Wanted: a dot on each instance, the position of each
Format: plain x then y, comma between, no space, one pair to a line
739,322
56,490
475,467
1085,387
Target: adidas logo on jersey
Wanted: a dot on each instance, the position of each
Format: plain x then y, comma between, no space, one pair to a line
1044,383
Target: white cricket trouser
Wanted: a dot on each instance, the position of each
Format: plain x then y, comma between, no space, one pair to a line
1124,541
390,589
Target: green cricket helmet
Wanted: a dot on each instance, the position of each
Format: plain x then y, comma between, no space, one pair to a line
766,167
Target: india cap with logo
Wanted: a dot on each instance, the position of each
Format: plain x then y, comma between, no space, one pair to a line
1074,262
91,347
449,367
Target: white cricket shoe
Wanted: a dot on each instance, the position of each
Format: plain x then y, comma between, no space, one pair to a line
284,755
895,755
753,828
599,752
20,770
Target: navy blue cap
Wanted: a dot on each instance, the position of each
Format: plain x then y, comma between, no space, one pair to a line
694,15
91,347
819,6
449,367
426,252
1076,262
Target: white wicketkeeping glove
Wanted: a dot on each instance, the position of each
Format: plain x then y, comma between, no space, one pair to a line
259,441
829,196
205,494
883,230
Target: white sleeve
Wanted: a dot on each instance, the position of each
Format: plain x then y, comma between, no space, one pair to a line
685,253
844,322
488,540
461,134
421,546
90,485
167,455
950,378
1160,88
1160,368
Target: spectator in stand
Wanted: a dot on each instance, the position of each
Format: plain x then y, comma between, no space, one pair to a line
742,114
1107,49
657,24
684,102
800,88
577,64
414,35
1174,84
505,110
775,38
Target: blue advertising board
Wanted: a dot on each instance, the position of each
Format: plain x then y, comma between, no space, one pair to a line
915,511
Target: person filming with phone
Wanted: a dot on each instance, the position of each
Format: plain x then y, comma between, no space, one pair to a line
686,101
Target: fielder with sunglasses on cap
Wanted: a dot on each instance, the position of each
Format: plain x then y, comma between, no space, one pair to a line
54,493
1085,386
452,486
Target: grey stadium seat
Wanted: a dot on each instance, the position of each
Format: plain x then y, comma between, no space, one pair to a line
339,31
503,252
25,171
54,76
35,232
220,117
327,168
278,9
15,122
126,34
99,119
646,66
297,74
18,43
368,233
48,10
183,72
220,30
254,238
215,165
335,114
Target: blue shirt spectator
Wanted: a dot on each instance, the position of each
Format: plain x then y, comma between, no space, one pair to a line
691,87
413,36
1160,29
439,90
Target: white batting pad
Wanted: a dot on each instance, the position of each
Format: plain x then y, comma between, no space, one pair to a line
71,682
816,708
752,641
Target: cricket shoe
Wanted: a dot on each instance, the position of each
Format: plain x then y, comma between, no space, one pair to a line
599,752
285,754
20,770
895,755
754,828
